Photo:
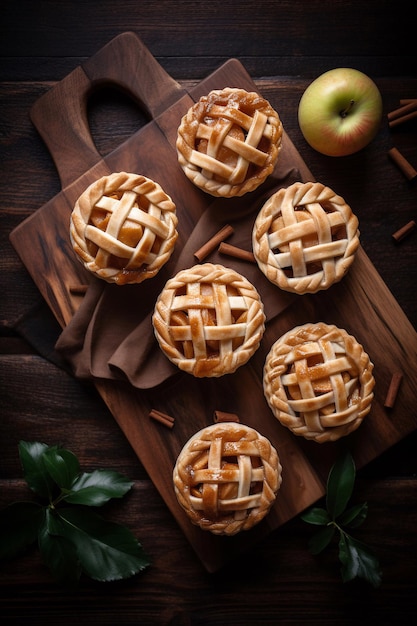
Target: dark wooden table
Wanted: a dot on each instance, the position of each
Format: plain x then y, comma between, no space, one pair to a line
283,45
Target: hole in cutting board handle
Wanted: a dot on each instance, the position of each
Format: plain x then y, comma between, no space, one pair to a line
60,115
113,116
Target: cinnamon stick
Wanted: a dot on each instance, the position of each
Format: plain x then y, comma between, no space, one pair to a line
212,243
237,253
403,118
162,418
404,231
407,101
78,289
222,416
405,166
402,110
393,390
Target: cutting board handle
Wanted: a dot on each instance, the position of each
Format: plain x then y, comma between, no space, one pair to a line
60,115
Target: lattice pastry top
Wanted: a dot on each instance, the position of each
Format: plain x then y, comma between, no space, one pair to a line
305,238
226,478
318,382
123,228
209,320
228,142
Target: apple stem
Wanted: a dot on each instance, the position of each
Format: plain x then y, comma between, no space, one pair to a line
345,112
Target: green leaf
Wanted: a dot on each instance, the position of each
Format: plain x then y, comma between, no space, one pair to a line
71,540
58,554
316,515
358,561
107,551
19,524
98,487
340,484
321,539
354,516
34,470
62,465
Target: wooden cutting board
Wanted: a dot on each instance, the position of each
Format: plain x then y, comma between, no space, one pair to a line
361,303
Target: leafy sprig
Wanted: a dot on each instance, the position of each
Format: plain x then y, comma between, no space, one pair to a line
338,519
72,538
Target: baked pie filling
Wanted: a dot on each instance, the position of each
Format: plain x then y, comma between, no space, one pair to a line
305,238
123,228
226,478
228,142
318,382
209,320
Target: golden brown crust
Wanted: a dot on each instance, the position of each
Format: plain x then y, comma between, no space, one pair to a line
305,238
226,478
318,382
123,228
209,320
228,142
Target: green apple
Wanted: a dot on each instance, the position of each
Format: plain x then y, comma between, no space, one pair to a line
340,112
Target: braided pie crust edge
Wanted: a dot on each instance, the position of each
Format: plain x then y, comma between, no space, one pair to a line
331,412
227,513
207,170
248,328
157,222
278,233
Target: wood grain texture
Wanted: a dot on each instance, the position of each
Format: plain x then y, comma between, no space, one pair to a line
237,593
361,303
374,36
283,45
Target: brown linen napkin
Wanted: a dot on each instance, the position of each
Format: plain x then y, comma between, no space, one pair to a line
111,335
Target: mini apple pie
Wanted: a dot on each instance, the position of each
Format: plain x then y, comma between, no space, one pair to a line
209,320
318,382
305,238
123,228
228,142
226,478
